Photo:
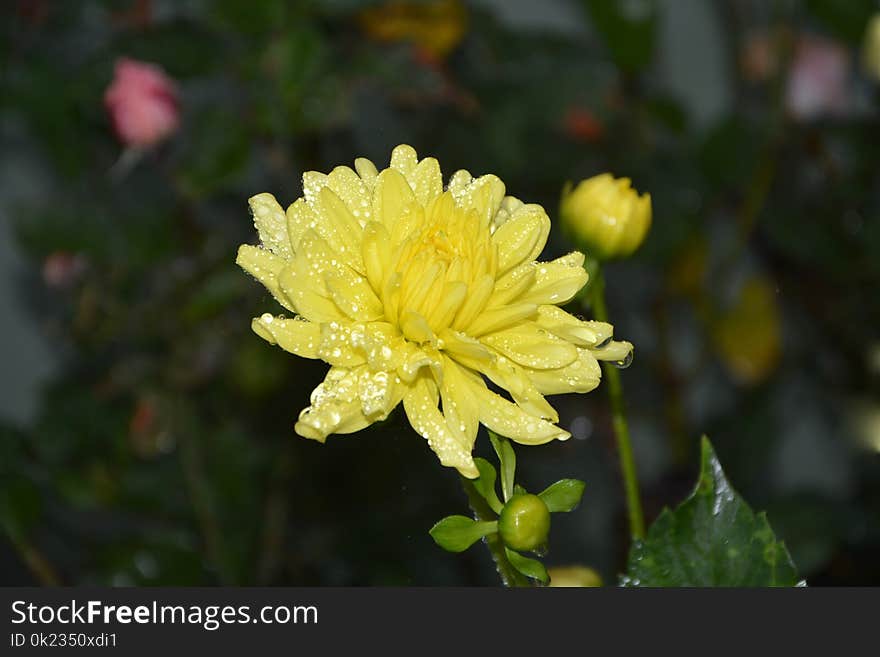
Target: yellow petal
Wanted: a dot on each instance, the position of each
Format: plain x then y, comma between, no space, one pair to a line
459,408
570,328
522,238
556,282
353,191
339,343
426,180
404,158
465,349
367,171
452,298
300,218
484,195
420,403
415,359
416,328
513,284
339,228
313,306
618,352
297,336
391,197
508,419
265,267
271,223
376,254
353,295
582,375
478,295
382,347
496,319
379,393
515,380
529,345
335,407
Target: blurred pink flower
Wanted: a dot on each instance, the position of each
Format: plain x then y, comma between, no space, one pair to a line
818,82
62,269
142,102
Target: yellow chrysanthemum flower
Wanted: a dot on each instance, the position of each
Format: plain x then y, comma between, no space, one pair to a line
414,293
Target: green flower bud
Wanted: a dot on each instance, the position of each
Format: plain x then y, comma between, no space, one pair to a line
524,522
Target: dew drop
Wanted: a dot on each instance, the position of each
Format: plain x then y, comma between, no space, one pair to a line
626,362
604,343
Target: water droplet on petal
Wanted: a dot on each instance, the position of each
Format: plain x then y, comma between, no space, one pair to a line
626,362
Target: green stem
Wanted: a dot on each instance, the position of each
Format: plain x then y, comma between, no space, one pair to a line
510,576
35,561
618,413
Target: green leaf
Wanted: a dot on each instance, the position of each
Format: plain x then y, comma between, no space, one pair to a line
564,495
507,460
458,533
485,484
528,567
712,538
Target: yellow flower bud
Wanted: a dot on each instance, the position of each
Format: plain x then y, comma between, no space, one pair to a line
606,215
871,48
574,576
524,522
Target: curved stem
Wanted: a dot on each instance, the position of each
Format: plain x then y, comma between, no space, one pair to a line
618,413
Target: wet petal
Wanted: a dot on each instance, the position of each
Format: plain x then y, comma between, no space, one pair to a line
265,267
484,195
522,238
421,405
426,180
271,224
496,319
617,352
353,191
556,282
379,393
582,375
335,407
353,295
459,408
508,419
532,347
570,328
298,336
391,197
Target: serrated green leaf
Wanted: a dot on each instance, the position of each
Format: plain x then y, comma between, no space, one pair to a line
507,460
528,567
712,538
458,533
564,495
485,484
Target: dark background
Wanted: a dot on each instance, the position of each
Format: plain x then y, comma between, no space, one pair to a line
147,434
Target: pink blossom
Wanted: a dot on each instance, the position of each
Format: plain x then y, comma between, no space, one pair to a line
142,102
62,269
818,82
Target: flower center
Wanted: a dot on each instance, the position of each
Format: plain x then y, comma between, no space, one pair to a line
443,258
